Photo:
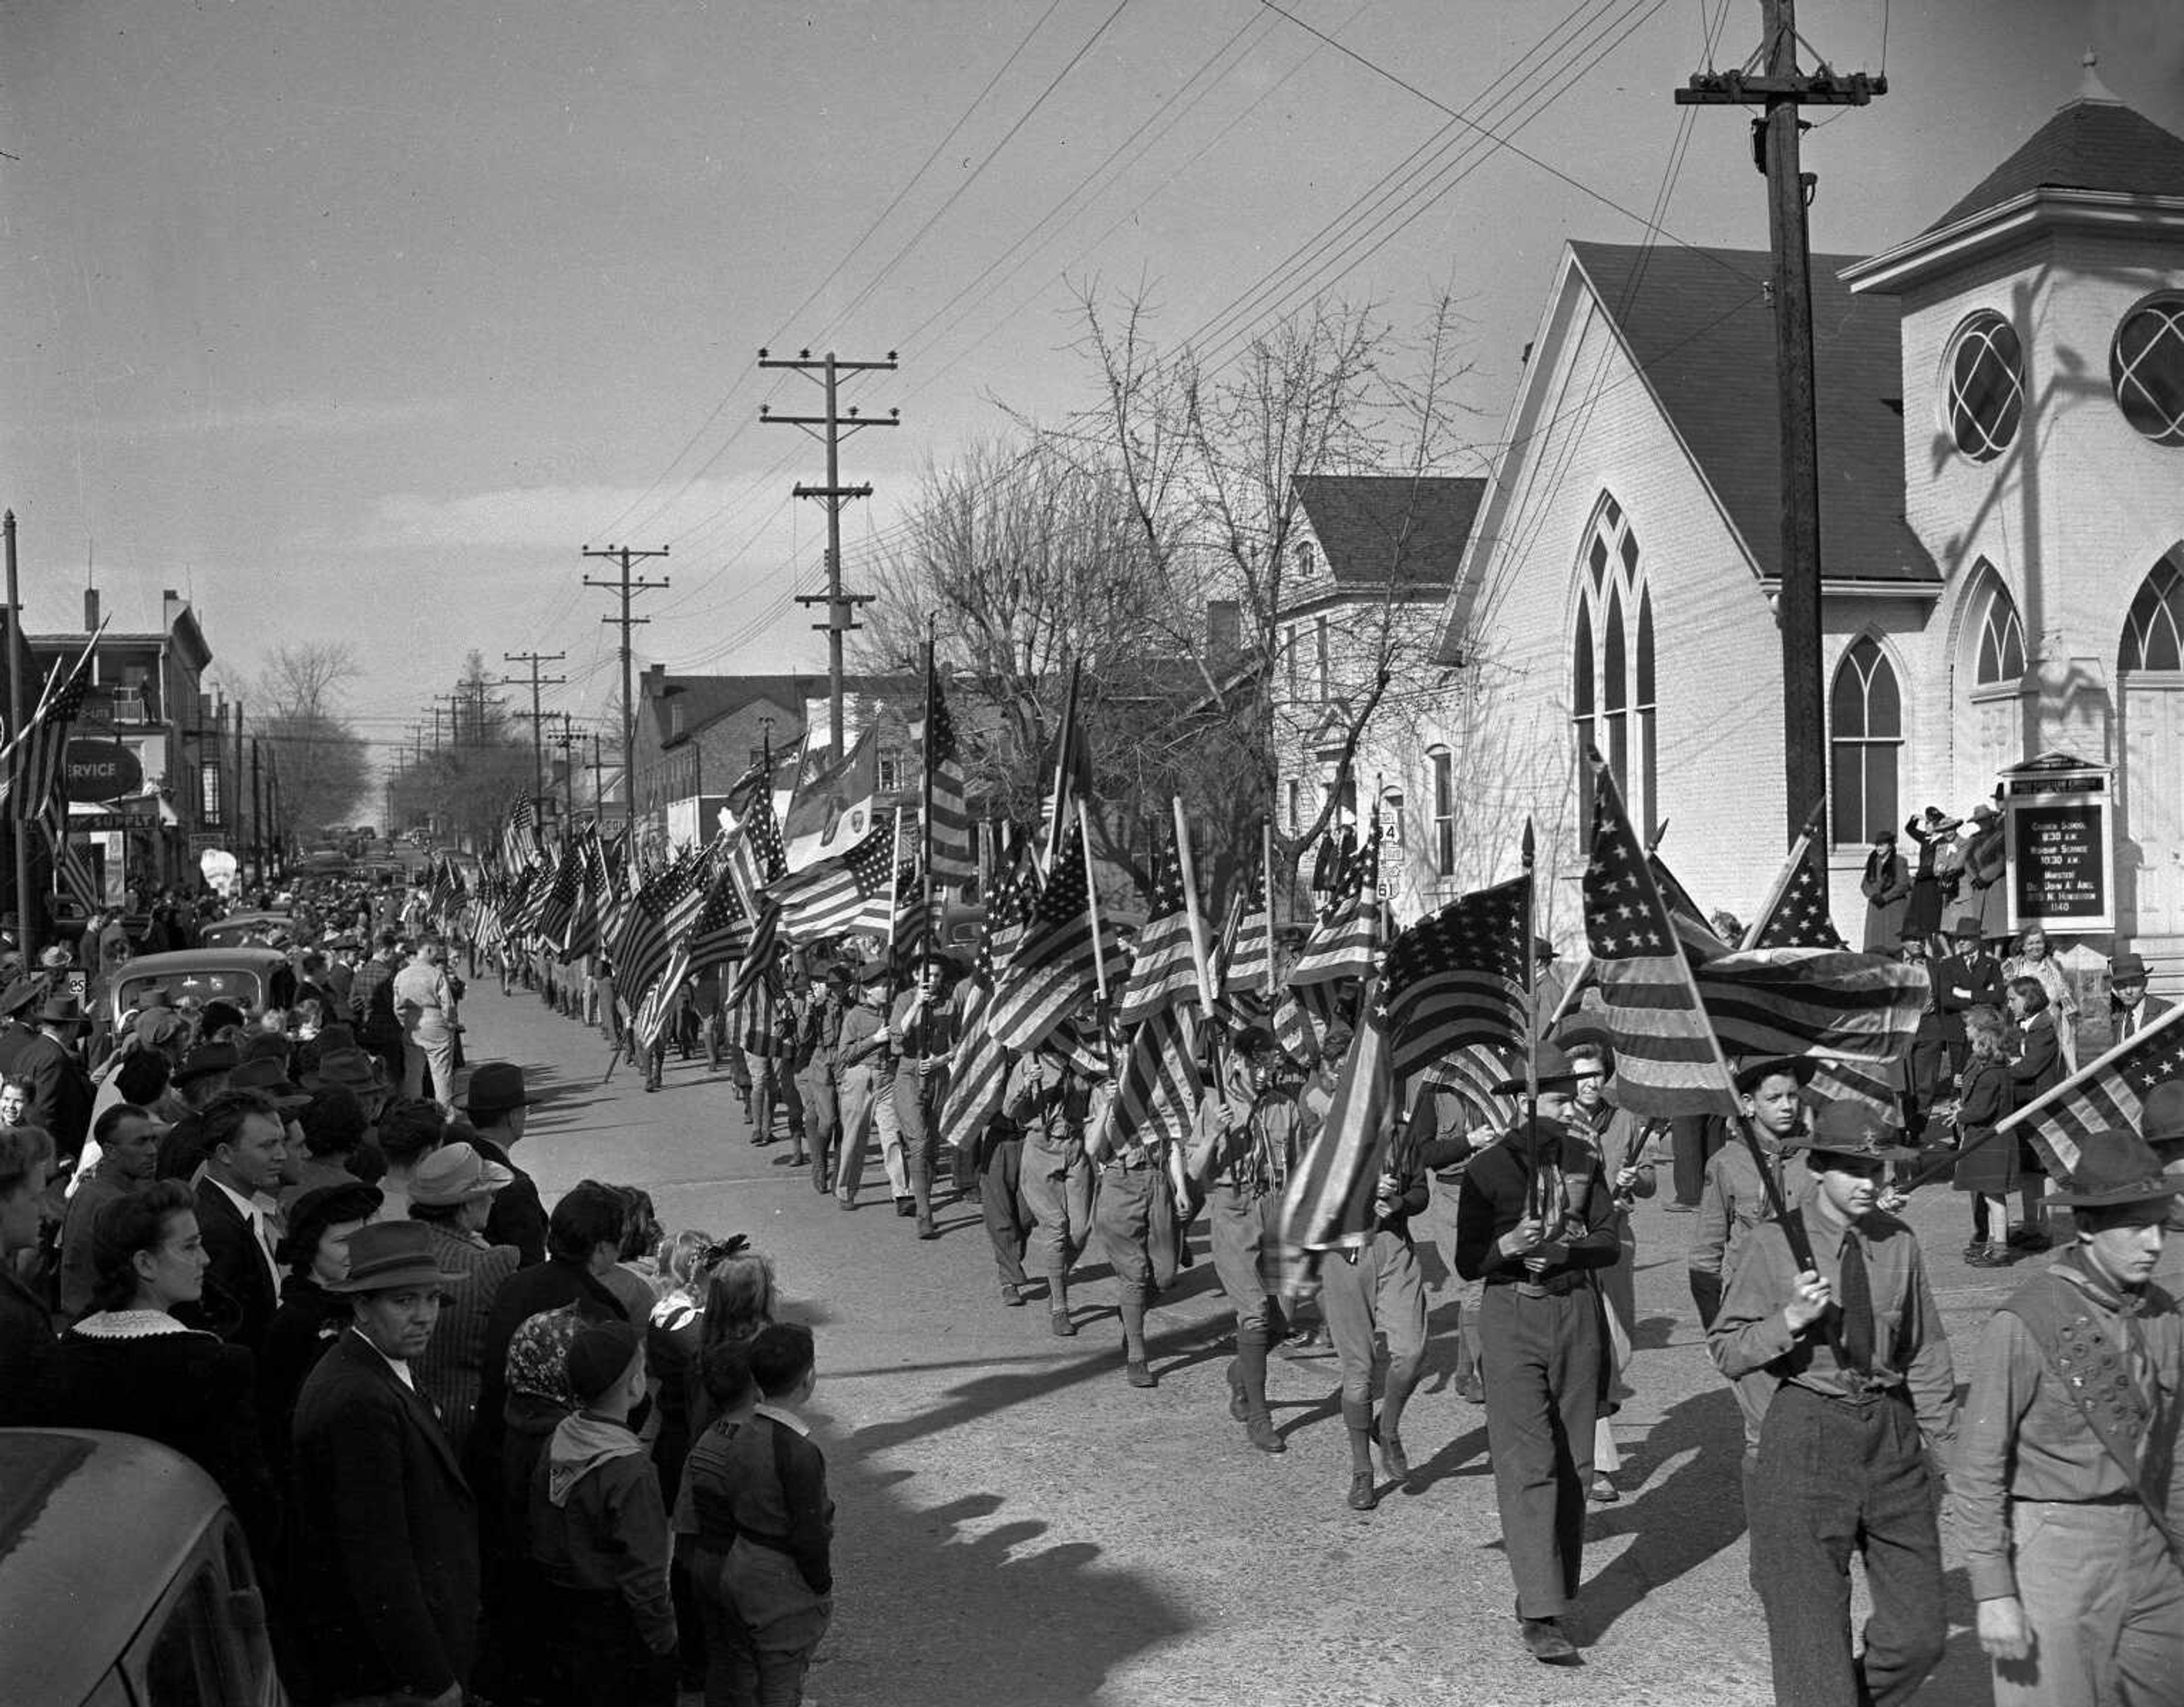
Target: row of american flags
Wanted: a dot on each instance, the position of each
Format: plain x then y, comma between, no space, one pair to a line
33,770
1448,1000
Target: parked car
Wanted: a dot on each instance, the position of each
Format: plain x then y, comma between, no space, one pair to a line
237,928
125,1577
243,976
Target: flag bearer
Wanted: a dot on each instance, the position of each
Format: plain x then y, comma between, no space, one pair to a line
1134,1211
1863,1391
1047,1100
1249,1135
1534,1221
2068,1485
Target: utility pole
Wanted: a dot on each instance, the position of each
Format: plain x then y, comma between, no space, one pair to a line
627,588
830,429
257,816
566,741
1772,79
19,825
598,813
537,748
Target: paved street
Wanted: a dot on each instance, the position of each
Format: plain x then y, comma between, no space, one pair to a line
1016,1526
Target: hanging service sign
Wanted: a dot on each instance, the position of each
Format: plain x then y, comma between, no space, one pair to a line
2060,840
101,770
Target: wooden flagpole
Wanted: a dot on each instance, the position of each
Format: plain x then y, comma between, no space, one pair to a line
1058,800
925,814
1184,859
1783,879
1092,903
1534,1192
1266,870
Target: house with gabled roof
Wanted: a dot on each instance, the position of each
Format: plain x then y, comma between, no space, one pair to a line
2001,437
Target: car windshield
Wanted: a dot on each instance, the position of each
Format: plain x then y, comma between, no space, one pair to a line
236,984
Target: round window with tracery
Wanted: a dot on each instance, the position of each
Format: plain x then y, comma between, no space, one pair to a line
2146,367
1986,373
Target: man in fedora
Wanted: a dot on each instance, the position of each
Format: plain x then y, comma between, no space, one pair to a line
1534,1222
498,1104
1853,1349
386,1525
20,995
1967,977
57,1092
2130,1009
201,1077
2067,1489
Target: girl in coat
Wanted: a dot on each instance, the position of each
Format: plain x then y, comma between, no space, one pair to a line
2035,1068
1987,1166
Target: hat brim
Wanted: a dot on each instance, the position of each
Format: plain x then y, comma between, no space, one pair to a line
495,1178
394,1280
2138,1192
1749,1077
1550,1081
498,1107
1878,1152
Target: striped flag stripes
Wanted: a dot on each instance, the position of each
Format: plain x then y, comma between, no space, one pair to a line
721,931
1666,1060
646,947
70,868
980,1074
1346,942
850,892
1165,971
950,842
1051,971
1249,967
37,755
1471,1073
1461,976
1328,1203
2106,1093
1156,1098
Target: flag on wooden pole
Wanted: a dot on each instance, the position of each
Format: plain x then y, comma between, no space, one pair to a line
1052,969
2106,1093
1329,1203
1346,942
1459,977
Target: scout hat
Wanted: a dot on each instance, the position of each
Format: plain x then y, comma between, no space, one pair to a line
495,1088
2114,1168
1552,1067
1752,1072
454,1174
2161,1116
1848,1129
268,1078
600,1356
384,1255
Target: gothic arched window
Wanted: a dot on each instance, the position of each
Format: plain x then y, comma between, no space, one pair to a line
1611,671
1865,728
2154,632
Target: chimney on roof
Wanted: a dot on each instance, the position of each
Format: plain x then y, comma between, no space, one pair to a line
172,605
91,610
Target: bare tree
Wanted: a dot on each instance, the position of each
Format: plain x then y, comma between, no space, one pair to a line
320,759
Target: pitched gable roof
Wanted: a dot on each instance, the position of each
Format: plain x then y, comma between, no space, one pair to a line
1377,529
1701,332
2096,142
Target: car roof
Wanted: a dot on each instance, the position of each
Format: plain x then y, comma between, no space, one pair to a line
248,956
93,1528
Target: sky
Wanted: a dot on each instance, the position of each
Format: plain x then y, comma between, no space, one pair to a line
357,324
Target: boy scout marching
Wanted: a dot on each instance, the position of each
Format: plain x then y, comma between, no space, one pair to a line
1293,1112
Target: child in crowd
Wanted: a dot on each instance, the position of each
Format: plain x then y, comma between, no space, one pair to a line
1987,1166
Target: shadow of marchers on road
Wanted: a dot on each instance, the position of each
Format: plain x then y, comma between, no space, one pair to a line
1023,1624
1679,1522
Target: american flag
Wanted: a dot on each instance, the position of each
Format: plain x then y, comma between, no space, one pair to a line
758,856
37,756
647,947
583,938
850,893
1346,942
1472,1073
1157,1098
981,1072
1051,971
1250,964
558,909
1666,1060
681,924
1328,1203
1072,766
722,929
1166,969
1797,916
514,899
70,870
1462,977
519,835
2108,1094
948,843
908,934
1301,1016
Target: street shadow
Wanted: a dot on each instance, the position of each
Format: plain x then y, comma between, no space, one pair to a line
1036,1621
1456,1457
1964,1673
1678,1522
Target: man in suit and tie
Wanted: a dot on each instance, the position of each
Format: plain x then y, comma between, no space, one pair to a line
57,1090
2130,1009
245,1148
386,1526
1965,978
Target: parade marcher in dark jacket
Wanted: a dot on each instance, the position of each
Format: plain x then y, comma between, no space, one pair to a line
1886,887
28,1357
385,1527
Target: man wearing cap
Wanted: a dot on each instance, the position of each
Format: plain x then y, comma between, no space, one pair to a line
58,1093
499,1104
818,1044
2130,1009
246,1142
1863,1390
923,1029
1986,866
2067,1486
1534,1222
860,1048
1965,978
452,1192
387,1558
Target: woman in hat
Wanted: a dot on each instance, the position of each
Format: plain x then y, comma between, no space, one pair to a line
131,1366
1932,885
315,1250
451,1192
2065,1476
1886,887
1986,863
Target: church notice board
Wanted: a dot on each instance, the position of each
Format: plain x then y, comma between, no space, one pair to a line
2061,846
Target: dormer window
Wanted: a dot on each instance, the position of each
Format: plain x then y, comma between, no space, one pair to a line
674,720
2146,368
1984,385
